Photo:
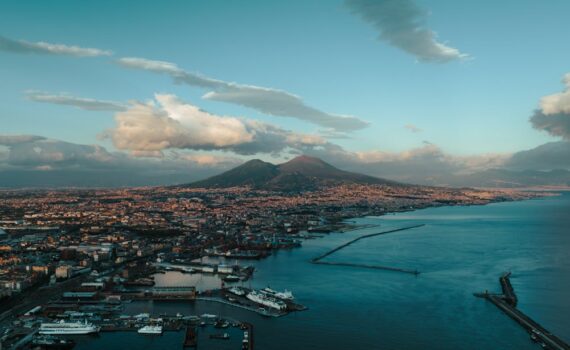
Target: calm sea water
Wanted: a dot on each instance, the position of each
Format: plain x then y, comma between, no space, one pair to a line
461,250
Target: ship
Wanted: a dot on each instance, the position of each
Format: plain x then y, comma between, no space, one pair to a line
265,300
63,327
150,330
51,342
285,295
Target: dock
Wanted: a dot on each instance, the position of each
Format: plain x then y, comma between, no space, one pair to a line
507,302
190,338
318,259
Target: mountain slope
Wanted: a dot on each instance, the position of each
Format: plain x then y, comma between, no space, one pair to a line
252,173
299,174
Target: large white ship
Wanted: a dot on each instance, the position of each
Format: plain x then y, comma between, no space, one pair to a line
265,300
63,327
285,295
150,330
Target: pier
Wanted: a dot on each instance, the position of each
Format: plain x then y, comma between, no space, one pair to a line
318,259
249,344
507,302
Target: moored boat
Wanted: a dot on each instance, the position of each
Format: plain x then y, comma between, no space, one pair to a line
151,330
63,327
51,342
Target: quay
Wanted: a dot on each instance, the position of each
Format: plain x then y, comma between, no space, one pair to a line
227,298
318,259
256,309
507,302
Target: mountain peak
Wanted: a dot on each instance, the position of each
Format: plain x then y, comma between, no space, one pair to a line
298,174
306,159
309,166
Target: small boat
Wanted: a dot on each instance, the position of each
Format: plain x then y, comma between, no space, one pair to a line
51,342
151,330
224,336
231,278
221,324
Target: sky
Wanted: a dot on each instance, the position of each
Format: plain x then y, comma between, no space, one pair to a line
214,83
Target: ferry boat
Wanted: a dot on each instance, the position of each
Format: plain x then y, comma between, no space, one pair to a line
265,300
150,330
63,327
285,295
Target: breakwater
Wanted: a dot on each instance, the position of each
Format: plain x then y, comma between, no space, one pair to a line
507,302
318,259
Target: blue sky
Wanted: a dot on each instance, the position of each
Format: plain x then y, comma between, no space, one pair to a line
318,50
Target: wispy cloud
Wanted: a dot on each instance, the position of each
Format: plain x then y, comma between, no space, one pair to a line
79,102
412,128
553,116
266,100
41,47
169,123
401,24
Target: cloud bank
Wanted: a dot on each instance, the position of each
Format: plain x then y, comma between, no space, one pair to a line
169,123
36,161
43,48
79,102
553,116
266,100
401,24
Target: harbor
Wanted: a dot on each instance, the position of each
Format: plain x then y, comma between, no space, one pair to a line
335,298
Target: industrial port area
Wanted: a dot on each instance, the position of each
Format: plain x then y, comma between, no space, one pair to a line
97,304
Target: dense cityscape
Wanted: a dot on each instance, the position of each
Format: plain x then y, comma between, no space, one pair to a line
61,248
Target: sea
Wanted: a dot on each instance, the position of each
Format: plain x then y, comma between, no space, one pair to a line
459,251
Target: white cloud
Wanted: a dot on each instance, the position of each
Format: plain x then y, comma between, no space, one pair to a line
41,47
266,100
559,102
553,116
401,24
173,124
